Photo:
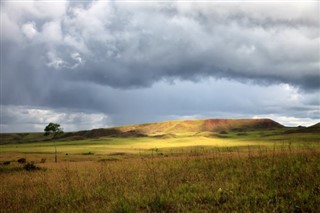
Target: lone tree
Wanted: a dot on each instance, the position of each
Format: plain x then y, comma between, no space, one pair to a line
55,130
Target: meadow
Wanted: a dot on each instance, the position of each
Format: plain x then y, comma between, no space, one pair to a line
252,171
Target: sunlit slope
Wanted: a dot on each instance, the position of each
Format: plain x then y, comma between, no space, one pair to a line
205,125
178,127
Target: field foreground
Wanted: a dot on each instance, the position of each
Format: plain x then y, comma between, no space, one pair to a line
256,180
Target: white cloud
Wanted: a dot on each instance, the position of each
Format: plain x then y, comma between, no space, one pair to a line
58,63
35,9
289,120
51,32
55,61
26,118
29,30
90,23
78,60
76,43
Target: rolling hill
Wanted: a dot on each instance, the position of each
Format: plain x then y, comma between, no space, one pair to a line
311,129
159,129
177,127
205,125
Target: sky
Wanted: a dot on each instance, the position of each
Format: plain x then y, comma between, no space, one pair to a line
98,64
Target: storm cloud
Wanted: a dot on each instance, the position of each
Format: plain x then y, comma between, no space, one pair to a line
107,57
129,45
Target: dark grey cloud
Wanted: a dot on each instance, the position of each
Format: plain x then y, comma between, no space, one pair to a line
122,47
138,62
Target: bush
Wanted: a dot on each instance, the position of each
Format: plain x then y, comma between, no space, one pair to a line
22,160
30,167
6,162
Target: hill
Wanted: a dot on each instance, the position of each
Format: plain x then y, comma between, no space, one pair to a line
311,129
205,125
159,129
7,138
177,127
316,126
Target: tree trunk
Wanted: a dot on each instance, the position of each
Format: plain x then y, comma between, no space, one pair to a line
55,153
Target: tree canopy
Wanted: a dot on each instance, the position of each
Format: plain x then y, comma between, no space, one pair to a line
53,129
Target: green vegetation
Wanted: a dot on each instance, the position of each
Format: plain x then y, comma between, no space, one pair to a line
15,138
53,129
136,145
163,130
242,169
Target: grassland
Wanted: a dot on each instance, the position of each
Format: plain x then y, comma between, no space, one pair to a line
197,180
239,170
144,145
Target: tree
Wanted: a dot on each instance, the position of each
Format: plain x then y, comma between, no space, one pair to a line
55,130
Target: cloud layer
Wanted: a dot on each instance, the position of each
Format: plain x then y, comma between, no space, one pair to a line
127,45
97,56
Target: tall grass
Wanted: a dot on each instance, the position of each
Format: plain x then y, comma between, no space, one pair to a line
220,180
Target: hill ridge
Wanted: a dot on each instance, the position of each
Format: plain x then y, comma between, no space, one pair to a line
200,125
156,129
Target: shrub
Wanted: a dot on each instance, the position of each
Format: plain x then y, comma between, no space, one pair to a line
22,160
6,162
30,167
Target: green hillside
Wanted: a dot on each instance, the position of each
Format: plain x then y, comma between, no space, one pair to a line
221,128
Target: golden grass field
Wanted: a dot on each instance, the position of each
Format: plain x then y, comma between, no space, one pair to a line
196,180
